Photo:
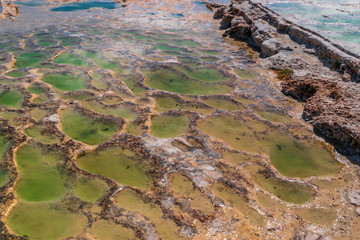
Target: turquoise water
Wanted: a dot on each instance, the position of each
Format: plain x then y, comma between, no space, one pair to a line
84,6
338,20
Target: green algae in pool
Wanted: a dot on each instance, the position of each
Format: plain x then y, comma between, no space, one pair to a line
42,134
203,74
167,126
66,81
131,83
89,189
247,74
46,43
117,163
71,59
221,103
4,177
169,80
98,82
273,116
40,99
99,60
165,103
84,128
105,230
321,216
36,89
119,111
238,202
31,59
169,48
12,98
38,113
40,221
17,73
291,157
4,146
287,191
40,177
78,96
184,188
165,227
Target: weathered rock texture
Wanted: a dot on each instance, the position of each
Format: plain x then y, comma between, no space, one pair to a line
8,10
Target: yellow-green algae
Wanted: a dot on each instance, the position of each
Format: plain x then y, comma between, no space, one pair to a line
165,227
84,128
17,73
66,81
247,74
167,126
165,103
291,157
117,163
71,59
172,81
4,177
203,74
12,98
184,188
4,145
105,230
119,111
89,189
238,202
40,177
45,221
221,103
36,89
42,134
273,116
285,190
31,59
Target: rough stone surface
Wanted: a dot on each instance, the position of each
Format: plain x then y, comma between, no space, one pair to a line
353,196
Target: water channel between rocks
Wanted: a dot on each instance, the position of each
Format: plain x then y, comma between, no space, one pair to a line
139,120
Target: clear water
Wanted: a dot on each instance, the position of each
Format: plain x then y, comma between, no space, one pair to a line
338,20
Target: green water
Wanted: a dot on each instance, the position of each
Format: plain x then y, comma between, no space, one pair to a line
119,111
12,98
41,179
78,96
237,201
166,228
246,74
4,177
104,230
83,128
4,145
36,89
167,126
222,103
119,164
66,81
42,134
71,59
17,73
100,61
203,74
45,221
168,80
31,59
285,190
89,189
291,157
171,103
273,116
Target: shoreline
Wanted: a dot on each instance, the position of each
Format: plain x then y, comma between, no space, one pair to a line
316,71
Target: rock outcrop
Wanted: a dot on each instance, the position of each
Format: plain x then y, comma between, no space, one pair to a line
8,10
265,29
